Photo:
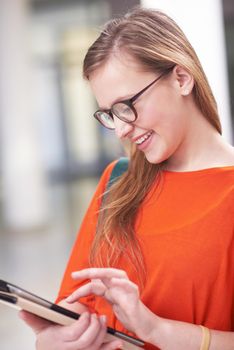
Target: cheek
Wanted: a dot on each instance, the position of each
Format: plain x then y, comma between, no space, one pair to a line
161,116
149,115
156,107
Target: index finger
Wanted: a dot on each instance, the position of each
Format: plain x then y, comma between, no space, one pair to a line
92,273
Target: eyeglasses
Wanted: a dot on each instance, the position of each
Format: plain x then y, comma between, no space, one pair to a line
124,110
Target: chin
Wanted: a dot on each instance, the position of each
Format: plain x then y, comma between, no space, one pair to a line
155,159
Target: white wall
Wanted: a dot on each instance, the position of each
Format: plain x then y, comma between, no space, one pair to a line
202,22
24,201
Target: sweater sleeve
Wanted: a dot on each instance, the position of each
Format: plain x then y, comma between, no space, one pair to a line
79,258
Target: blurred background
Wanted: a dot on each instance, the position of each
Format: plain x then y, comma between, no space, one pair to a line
52,151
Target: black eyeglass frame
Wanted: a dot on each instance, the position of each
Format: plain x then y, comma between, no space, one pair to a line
128,102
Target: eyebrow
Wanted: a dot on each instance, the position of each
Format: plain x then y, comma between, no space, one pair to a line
119,99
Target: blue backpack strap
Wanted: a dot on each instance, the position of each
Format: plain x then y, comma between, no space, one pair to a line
120,167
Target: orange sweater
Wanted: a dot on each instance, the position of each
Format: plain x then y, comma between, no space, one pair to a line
187,239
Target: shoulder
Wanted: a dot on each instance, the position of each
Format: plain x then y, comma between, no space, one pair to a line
105,177
114,170
223,185
225,176
107,172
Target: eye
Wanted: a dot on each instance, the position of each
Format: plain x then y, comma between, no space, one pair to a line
121,109
106,117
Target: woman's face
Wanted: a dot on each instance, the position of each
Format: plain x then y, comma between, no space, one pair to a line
161,126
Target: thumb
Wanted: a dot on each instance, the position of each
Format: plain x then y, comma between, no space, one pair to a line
35,322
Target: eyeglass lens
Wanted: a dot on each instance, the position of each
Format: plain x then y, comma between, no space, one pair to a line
105,119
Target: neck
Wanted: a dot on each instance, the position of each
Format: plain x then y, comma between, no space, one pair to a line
203,147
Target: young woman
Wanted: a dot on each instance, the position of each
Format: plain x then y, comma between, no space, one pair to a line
155,255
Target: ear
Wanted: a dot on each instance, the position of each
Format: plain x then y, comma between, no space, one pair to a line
184,80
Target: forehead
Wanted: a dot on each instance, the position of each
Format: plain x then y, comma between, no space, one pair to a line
118,78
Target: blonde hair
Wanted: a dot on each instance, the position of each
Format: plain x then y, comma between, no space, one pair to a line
155,41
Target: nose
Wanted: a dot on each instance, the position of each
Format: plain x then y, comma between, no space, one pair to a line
122,129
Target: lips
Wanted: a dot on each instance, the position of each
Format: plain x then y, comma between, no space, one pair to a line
143,137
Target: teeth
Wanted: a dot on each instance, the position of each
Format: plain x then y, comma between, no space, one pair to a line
143,138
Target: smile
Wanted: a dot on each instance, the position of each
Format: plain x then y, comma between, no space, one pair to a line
143,138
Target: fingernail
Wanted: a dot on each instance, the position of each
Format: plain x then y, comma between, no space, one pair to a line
103,319
69,299
21,315
74,274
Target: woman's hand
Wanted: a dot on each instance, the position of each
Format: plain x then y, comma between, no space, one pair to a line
122,294
87,333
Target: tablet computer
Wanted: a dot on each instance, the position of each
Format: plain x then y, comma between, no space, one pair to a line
20,298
